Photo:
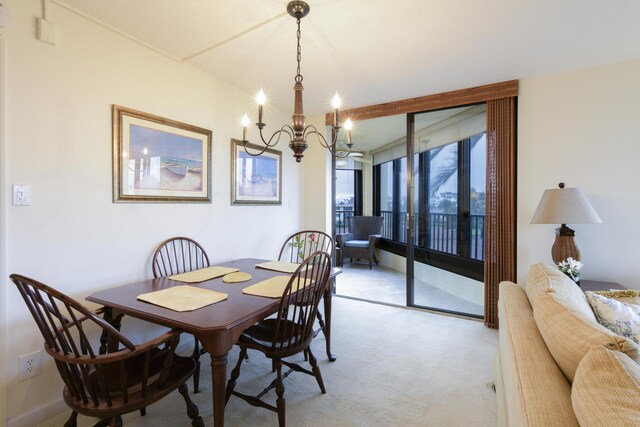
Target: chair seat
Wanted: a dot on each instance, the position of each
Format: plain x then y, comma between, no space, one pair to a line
261,334
181,369
357,244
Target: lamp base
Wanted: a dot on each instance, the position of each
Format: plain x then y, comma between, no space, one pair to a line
564,245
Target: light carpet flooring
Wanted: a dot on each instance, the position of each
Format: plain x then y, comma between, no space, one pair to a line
384,284
395,367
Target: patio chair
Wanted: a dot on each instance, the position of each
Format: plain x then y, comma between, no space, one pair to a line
361,239
100,383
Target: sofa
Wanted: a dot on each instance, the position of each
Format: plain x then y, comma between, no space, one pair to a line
556,365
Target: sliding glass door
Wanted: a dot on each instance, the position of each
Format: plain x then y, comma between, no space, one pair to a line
445,257
427,177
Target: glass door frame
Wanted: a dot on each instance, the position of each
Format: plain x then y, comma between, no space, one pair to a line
409,232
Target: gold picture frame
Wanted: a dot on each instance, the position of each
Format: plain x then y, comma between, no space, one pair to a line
156,159
255,180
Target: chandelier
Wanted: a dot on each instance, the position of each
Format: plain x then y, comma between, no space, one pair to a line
298,132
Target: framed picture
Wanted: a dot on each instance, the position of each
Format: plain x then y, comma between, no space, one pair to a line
159,160
255,180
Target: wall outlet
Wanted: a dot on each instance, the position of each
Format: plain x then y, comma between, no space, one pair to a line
21,195
29,365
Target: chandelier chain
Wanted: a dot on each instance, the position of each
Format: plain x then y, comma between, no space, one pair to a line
299,55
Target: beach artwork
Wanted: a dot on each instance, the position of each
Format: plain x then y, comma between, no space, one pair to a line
160,159
255,179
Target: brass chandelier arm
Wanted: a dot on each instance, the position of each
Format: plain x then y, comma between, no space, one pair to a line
268,144
312,130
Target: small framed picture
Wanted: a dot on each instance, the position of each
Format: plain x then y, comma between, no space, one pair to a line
159,160
255,180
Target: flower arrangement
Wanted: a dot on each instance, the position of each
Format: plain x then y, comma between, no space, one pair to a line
571,267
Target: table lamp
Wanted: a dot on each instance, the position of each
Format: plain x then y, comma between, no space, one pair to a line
564,206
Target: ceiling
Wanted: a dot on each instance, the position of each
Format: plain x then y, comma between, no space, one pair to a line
374,51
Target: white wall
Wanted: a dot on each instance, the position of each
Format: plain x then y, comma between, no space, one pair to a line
317,181
58,141
3,229
583,128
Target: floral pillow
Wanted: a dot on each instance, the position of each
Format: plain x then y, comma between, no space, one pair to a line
617,311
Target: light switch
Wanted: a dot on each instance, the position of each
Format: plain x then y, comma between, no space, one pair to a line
21,195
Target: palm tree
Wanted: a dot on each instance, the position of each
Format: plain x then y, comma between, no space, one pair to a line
447,169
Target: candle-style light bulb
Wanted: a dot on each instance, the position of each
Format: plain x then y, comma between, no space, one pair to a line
260,99
348,125
336,101
245,125
336,105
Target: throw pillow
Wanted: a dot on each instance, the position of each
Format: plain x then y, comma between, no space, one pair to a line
544,279
622,295
622,316
569,335
606,390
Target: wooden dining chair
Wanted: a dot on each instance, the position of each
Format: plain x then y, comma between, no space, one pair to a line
180,255
302,244
288,333
99,383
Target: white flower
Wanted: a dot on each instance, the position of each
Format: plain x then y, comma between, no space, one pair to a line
571,267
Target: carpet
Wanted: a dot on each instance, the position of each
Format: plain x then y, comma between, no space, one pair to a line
395,367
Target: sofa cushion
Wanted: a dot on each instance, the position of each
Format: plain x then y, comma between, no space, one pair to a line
357,243
531,387
606,390
544,278
569,334
619,316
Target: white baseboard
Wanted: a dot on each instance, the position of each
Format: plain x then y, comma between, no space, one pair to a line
56,407
39,415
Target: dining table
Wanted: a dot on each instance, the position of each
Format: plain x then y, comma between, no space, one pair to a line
218,326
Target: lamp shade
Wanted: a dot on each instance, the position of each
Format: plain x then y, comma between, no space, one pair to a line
565,206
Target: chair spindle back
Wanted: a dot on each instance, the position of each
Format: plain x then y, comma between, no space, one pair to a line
178,255
60,320
300,245
299,304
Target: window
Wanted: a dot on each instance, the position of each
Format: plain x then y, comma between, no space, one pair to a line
348,197
386,198
449,191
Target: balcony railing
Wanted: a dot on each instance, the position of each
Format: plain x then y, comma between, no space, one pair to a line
442,232
342,225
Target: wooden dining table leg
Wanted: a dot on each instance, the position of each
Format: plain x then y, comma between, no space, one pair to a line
218,347
219,384
328,293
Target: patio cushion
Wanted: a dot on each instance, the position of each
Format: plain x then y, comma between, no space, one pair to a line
357,243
